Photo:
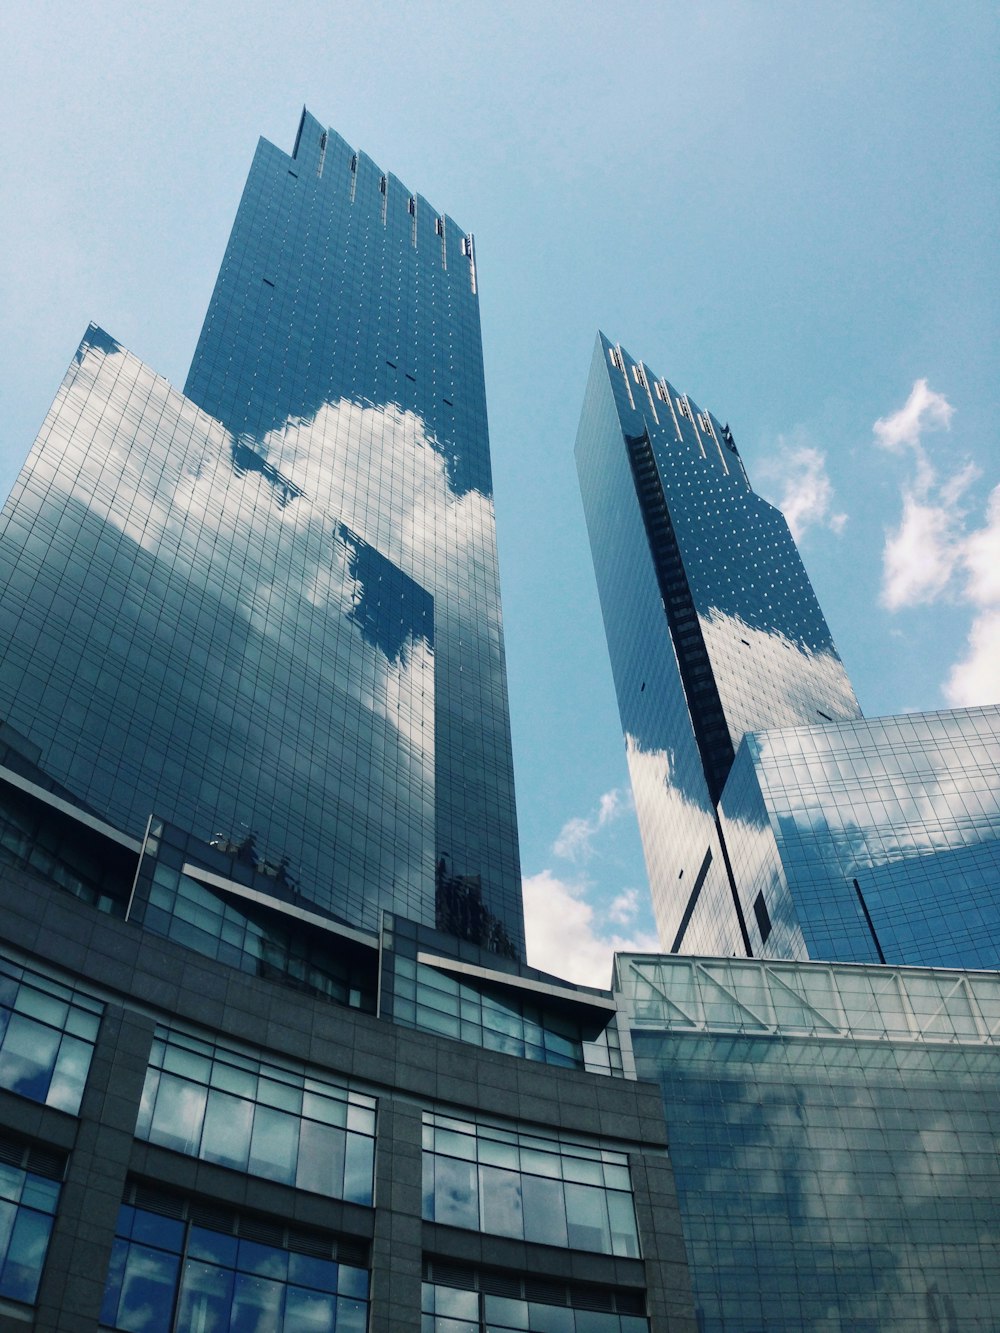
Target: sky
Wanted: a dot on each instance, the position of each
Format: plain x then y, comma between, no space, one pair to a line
789,210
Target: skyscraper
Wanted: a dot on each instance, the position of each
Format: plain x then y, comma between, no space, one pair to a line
776,821
712,625
257,845
267,609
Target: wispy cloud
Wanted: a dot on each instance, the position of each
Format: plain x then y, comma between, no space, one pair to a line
923,411
574,924
806,491
576,837
976,678
934,553
570,937
924,552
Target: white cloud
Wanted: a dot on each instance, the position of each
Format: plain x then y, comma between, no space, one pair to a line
921,555
565,934
976,679
932,553
575,839
981,557
924,410
624,909
807,495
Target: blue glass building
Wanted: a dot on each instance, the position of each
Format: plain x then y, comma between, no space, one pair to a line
776,821
269,1055
876,840
267,609
712,625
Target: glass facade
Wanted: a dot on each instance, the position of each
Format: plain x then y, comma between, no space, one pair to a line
267,1119
872,841
28,1203
268,608
223,907
535,1187
449,1308
833,1135
712,626
47,1036
427,998
169,1274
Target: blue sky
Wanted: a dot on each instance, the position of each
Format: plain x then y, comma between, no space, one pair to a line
789,210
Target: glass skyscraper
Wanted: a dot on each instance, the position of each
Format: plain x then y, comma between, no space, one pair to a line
267,609
776,821
712,625
270,1056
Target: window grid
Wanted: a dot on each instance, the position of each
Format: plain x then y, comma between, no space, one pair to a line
273,1120
550,1190
47,1036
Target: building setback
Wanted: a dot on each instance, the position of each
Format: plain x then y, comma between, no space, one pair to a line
259,858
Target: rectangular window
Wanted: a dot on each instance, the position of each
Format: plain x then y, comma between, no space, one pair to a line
548,1189
178,1265
29,1195
456,1299
427,998
271,1120
47,1036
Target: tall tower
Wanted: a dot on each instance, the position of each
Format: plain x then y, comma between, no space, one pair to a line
267,609
712,625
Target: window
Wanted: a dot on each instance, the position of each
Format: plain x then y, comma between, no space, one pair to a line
29,1195
548,1189
456,1299
269,1119
47,1035
179,1265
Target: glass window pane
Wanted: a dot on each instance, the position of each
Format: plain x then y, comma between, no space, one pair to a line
178,1114
28,1057
309,1311
500,1193
622,1216
206,1297
274,1144
456,1193
320,1165
544,1210
147,1299
359,1160
227,1130
29,1240
257,1304
352,1315
507,1313
587,1215
550,1319
113,1286
71,1069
